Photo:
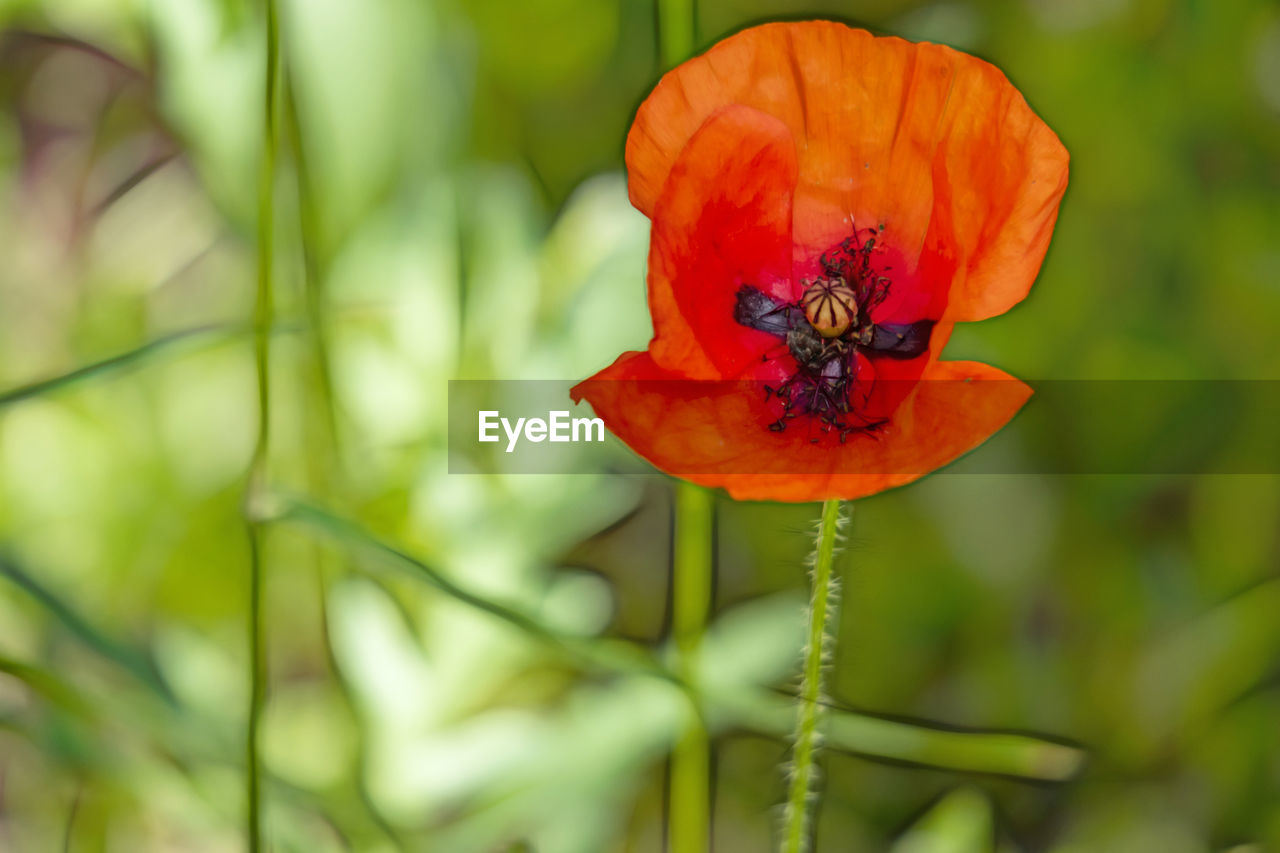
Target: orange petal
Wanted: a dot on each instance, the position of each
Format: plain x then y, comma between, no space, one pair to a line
723,220
716,433
935,144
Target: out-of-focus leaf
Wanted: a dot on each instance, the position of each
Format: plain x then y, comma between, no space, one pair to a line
1137,818
593,271
572,784
364,130
307,737
609,654
1195,672
501,224
1232,529
960,823
753,645
211,92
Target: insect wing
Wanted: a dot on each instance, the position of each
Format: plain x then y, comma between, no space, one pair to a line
901,340
757,310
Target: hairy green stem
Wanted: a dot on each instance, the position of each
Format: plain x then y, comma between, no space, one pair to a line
263,317
690,786
796,833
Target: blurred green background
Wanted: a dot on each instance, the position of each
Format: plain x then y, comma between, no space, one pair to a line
1024,663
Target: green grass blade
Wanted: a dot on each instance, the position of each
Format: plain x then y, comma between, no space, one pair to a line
608,654
46,684
122,361
126,657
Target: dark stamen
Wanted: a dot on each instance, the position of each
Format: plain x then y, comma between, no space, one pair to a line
825,376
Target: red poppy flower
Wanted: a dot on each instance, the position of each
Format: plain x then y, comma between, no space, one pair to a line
826,205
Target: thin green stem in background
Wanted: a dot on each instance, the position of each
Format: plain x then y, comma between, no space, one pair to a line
796,831
690,785
142,354
262,317
921,742
326,471
321,437
675,31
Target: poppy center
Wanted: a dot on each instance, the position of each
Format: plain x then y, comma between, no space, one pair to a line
830,306
829,336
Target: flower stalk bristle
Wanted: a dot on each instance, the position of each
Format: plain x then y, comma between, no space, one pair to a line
801,771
